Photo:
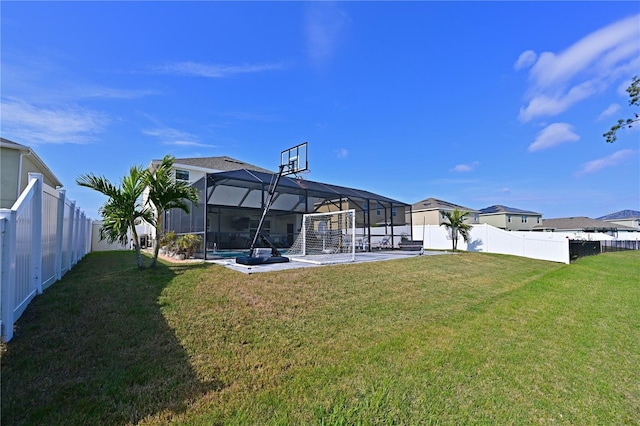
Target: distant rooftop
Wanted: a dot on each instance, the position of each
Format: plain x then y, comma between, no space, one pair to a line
435,204
623,214
222,163
580,224
504,209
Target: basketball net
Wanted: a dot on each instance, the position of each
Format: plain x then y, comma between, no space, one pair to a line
300,177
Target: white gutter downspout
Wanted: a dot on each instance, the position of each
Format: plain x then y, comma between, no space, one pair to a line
22,155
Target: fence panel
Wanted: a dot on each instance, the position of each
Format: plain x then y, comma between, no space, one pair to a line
581,248
26,216
489,239
619,245
49,235
42,236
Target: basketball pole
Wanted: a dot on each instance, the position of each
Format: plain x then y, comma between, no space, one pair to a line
267,206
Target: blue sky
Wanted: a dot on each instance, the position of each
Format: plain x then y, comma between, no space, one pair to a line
476,103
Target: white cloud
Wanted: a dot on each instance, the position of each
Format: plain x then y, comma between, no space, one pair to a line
341,153
189,144
596,49
560,80
40,125
611,110
525,60
609,161
325,26
195,69
553,135
465,167
170,136
110,93
545,105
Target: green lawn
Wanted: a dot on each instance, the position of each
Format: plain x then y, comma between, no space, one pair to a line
455,339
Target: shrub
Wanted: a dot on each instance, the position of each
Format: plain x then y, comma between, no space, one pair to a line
187,244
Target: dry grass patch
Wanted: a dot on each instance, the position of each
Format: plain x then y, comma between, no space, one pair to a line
467,338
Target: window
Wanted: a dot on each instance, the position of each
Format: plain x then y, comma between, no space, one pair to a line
378,209
538,220
182,175
475,217
394,212
509,218
524,219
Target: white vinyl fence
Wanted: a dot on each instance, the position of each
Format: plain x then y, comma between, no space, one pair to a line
486,238
42,237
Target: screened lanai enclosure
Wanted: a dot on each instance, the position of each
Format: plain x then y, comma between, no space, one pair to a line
231,205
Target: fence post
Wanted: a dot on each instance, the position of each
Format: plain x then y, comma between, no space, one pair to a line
81,242
36,244
72,221
7,271
76,234
59,233
89,237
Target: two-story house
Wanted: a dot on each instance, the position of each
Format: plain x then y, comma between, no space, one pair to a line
431,211
509,218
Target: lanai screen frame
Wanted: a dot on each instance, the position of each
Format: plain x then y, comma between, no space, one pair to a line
291,197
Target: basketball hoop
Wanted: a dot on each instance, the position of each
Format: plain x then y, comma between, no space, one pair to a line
300,177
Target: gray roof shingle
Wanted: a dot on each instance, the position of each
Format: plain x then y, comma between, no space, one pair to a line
622,214
222,163
580,223
433,204
504,209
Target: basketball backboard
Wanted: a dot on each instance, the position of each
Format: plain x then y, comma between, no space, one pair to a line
294,160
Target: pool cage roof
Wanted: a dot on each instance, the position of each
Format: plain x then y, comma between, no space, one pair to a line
248,188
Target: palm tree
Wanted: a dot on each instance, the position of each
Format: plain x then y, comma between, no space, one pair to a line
456,225
167,193
123,208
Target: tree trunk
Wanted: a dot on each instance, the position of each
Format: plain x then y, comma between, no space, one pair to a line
156,239
454,238
136,245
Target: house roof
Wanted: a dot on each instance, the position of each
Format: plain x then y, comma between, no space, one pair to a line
435,204
6,143
622,214
286,182
222,163
500,209
580,224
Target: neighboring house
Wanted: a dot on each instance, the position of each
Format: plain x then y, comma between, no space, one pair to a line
232,197
582,225
431,212
16,162
630,218
509,218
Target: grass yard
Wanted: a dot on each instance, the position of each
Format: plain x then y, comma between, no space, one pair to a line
456,339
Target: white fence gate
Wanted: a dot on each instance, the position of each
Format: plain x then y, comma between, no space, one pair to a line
42,237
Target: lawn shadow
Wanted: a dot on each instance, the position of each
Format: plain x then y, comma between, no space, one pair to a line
95,348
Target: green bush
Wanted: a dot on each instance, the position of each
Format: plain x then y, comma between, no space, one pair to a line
187,244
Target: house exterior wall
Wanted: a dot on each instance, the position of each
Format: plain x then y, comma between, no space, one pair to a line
436,217
9,165
30,166
633,223
512,221
426,217
15,179
496,220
